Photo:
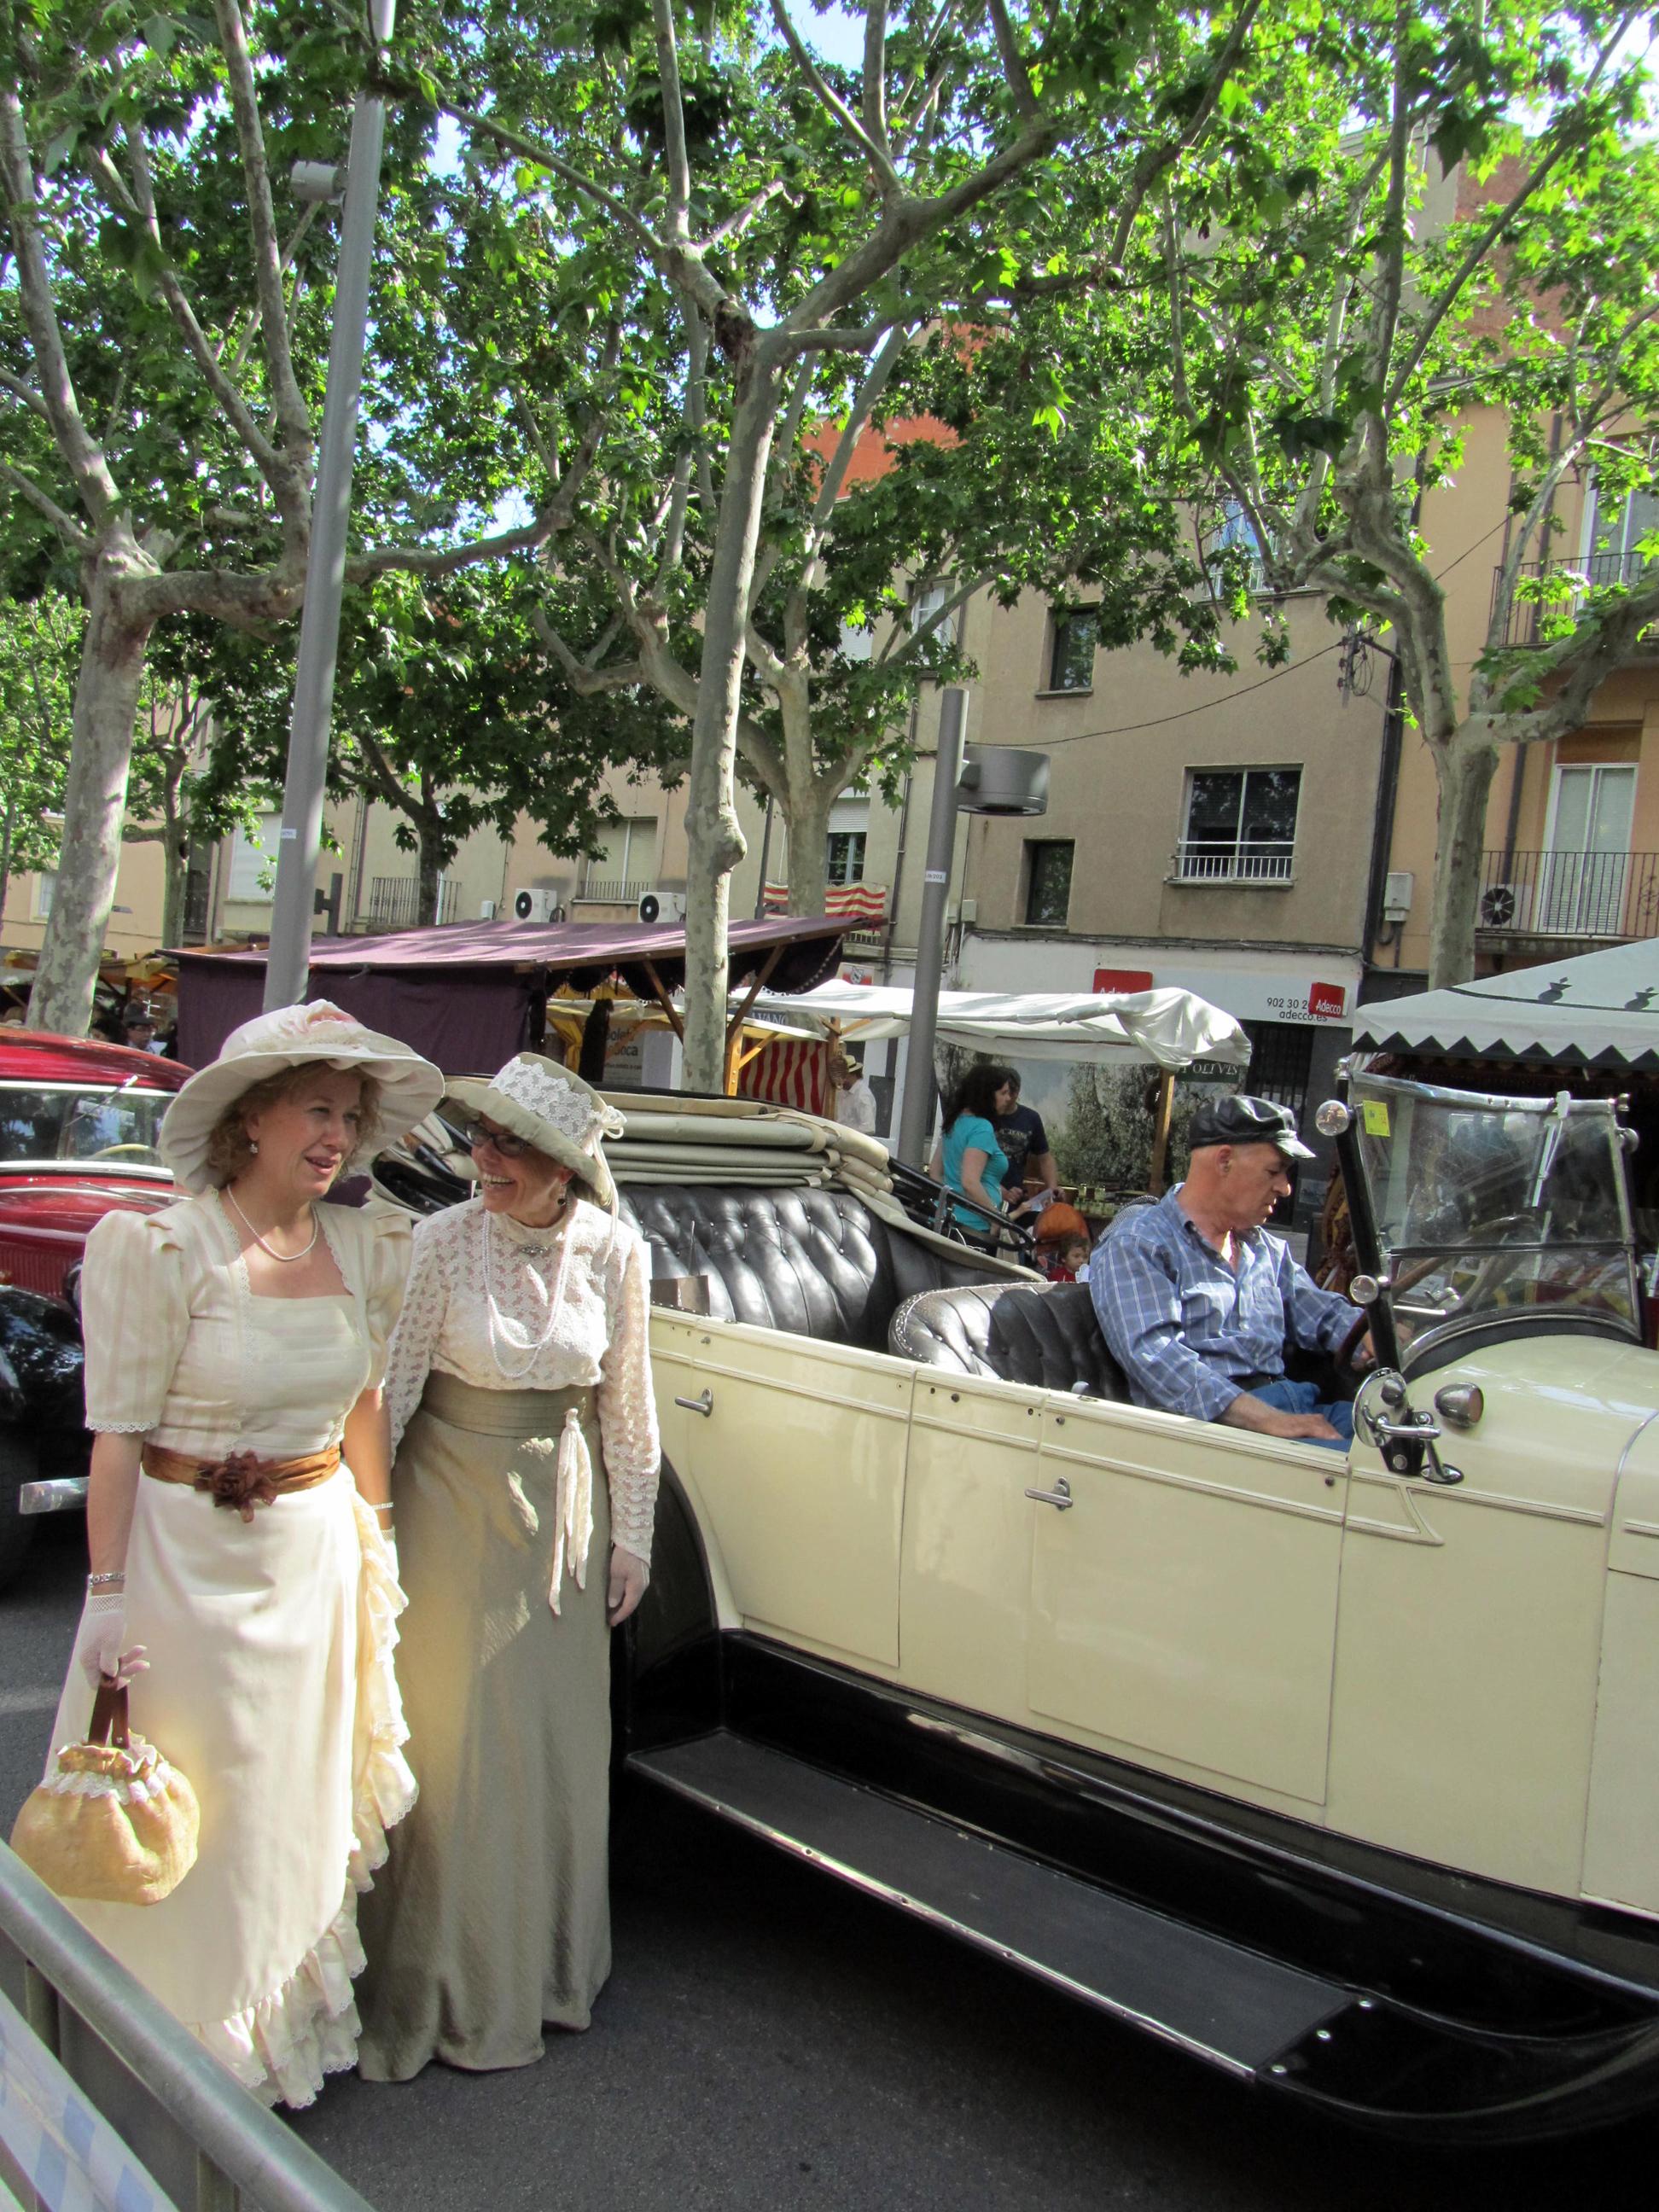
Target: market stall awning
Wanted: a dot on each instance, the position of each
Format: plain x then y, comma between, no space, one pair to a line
1600,1010
463,995
1167,1029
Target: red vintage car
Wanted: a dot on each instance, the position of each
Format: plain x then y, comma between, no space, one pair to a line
78,1119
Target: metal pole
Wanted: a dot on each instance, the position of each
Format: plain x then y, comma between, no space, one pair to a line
288,960
766,848
930,930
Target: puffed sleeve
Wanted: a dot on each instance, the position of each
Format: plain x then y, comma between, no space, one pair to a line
627,1405
392,1234
135,1316
425,1302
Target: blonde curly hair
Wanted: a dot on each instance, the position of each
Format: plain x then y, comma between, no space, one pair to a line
230,1149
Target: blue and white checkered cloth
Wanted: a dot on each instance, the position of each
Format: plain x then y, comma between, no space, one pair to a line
1186,1328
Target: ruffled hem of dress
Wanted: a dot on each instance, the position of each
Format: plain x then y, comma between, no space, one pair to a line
284,2047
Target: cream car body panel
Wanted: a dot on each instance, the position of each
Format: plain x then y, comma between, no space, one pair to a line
1185,1605
1469,1643
1621,1838
799,1464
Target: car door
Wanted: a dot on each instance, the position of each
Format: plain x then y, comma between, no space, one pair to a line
1183,1589
793,1450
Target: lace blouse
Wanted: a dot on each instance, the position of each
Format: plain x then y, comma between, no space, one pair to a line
477,1307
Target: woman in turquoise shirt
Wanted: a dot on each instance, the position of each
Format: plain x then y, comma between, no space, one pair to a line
969,1159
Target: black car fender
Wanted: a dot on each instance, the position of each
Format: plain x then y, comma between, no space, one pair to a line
666,1681
40,1361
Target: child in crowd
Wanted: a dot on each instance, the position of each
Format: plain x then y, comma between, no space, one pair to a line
1071,1262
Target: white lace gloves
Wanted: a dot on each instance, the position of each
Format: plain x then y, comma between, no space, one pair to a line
629,1576
98,1640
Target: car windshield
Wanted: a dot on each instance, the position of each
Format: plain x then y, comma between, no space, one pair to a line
62,1124
1496,1208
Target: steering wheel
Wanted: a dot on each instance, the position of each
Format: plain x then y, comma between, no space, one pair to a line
1344,1352
112,1152
1496,1265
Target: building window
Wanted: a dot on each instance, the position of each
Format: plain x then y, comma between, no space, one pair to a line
253,862
1240,826
1072,650
1233,552
44,884
1048,881
925,601
845,864
625,865
1616,533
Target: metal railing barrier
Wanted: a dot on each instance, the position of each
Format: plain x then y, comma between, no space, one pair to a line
108,2105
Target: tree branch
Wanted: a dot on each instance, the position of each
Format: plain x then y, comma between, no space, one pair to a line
64,523
293,415
26,393
80,452
279,473
1156,159
682,265
1014,63
880,161
673,117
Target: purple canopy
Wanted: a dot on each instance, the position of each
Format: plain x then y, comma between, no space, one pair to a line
469,995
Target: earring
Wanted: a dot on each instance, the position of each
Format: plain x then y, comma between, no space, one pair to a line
254,1144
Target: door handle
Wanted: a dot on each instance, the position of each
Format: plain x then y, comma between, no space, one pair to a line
705,1405
1060,1496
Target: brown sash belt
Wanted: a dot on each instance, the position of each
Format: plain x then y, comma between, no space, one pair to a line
241,1479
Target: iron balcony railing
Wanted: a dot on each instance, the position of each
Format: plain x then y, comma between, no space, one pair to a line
1610,894
394,901
1211,861
616,891
1534,621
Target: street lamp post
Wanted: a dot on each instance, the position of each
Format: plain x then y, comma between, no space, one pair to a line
288,960
1002,780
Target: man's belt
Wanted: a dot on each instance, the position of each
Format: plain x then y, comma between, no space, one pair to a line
241,1479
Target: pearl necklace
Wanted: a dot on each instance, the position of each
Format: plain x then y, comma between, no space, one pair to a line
287,1258
496,1318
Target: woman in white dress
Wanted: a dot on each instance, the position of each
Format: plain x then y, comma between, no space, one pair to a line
242,1574
521,1362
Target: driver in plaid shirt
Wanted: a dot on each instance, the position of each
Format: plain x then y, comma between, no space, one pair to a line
1198,1304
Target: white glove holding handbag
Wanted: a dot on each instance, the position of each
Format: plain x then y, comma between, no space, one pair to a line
98,1641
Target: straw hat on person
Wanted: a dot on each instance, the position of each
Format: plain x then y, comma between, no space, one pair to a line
296,1036
554,1110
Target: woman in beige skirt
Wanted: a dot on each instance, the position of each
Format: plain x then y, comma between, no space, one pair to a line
238,1523
521,1363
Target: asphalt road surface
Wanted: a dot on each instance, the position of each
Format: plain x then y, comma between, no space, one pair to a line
770,2041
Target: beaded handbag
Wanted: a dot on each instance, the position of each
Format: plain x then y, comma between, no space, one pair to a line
113,1821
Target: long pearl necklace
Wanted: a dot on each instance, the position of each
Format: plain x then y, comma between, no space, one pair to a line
497,1319
288,1259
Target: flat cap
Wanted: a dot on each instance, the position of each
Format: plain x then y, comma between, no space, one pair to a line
1245,1121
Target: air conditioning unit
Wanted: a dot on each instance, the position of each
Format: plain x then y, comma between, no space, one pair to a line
487,910
1398,892
662,907
1498,905
535,906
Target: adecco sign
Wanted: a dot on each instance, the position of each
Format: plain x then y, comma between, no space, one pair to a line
1261,997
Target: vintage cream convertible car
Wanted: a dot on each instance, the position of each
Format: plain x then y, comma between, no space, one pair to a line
1341,1773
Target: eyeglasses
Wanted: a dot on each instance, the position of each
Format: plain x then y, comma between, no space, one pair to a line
509,1147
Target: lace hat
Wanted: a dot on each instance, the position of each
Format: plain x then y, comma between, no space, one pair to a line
295,1036
552,1110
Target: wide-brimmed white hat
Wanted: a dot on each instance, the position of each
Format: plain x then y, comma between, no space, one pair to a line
552,1110
295,1036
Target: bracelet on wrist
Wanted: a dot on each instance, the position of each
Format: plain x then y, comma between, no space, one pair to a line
383,1506
115,1580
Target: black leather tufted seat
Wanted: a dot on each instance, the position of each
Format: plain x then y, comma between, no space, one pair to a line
813,1262
1048,1339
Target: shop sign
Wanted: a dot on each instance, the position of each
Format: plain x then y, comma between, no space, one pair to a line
1122,979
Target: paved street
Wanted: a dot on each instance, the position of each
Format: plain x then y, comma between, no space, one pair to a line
770,2041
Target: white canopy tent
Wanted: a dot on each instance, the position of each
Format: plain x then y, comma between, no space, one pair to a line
1600,1010
1168,1030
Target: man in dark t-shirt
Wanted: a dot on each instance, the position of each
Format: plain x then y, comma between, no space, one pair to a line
1025,1143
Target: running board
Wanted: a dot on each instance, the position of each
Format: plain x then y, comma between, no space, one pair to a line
1227,2005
